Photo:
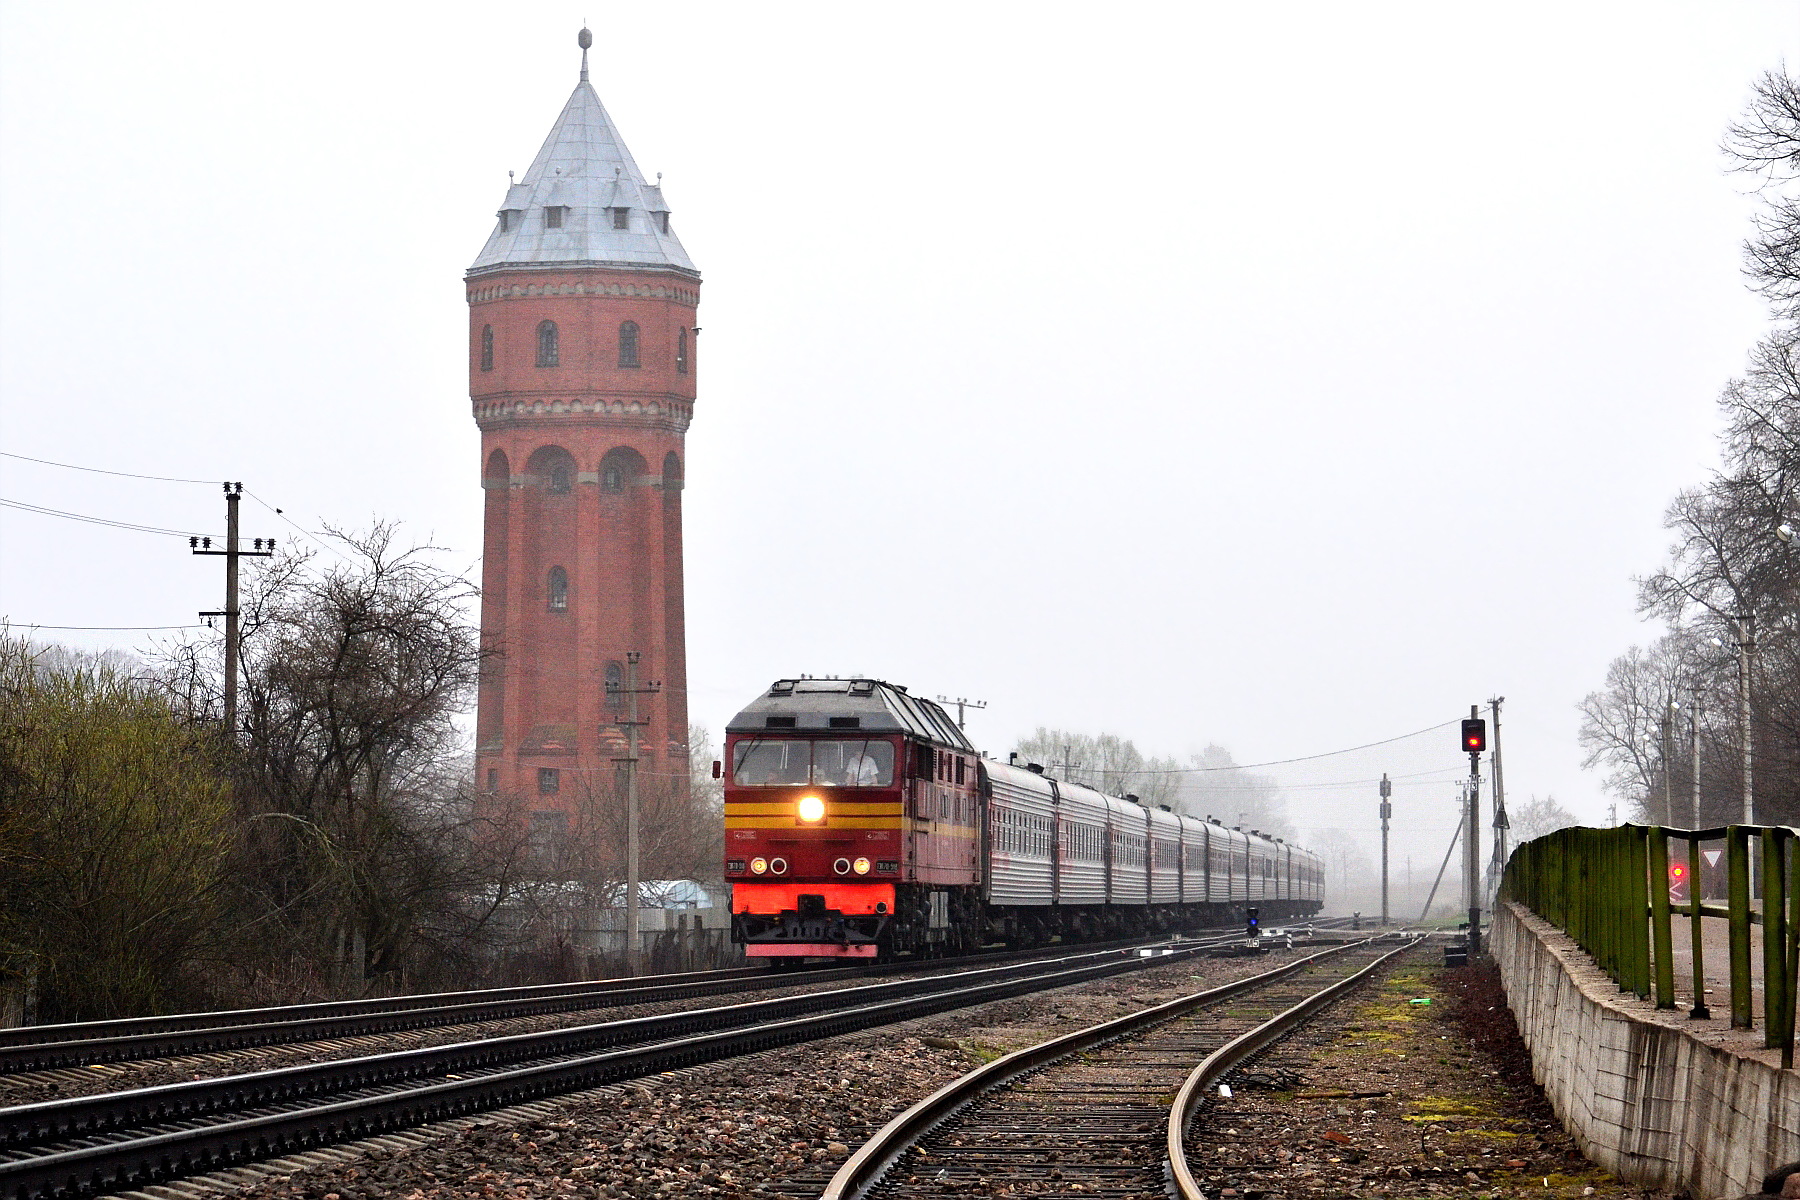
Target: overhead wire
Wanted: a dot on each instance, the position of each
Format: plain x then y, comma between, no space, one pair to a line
106,628
101,471
108,521
1281,762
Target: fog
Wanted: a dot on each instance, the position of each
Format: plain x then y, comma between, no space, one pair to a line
1282,377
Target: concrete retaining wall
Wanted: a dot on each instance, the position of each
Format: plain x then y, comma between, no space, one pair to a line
1651,1101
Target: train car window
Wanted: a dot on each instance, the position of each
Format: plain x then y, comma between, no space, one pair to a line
853,764
772,762
922,759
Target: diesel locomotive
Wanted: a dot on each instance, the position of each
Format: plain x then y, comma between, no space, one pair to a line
861,823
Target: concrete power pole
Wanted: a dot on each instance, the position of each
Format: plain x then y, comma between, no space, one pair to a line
1694,739
632,841
1501,824
1387,811
231,553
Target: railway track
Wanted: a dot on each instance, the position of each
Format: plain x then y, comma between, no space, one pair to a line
129,1139
48,1048
1093,1108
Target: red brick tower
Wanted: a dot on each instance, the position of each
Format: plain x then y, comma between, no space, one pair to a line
581,369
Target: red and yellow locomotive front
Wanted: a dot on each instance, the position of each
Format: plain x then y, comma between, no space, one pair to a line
812,842
819,851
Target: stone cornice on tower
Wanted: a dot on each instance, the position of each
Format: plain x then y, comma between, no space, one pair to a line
672,414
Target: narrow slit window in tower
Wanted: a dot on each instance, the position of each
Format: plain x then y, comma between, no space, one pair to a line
612,479
559,590
559,478
628,344
681,350
487,347
621,218
549,781
615,686
548,349
553,216
663,221
505,221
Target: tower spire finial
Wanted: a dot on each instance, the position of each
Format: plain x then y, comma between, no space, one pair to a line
584,39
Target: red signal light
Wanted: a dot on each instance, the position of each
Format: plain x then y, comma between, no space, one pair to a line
1678,871
1474,735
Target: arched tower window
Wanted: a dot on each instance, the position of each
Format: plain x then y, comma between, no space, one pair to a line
628,344
487,348
681,353
559,590
615,685
549,351
552,469
671,472
621,465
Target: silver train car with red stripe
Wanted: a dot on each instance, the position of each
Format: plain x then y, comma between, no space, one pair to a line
861,823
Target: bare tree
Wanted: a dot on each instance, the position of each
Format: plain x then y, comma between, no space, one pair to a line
1765,142
360,844
1538,816
1216,786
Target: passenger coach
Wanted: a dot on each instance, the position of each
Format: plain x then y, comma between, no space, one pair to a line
860,822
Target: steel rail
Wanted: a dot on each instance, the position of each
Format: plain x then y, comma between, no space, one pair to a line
139,1161
136,1047
865,1167
125,1026
51,1047
1222,1060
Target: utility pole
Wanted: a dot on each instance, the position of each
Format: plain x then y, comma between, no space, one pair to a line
1746,659
1694,739
1668,756
632,724
231,553
960,705
1501,824
1387,810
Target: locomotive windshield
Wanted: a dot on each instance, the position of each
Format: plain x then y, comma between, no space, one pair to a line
778,762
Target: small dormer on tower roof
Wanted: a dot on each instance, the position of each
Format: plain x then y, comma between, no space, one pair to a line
583,202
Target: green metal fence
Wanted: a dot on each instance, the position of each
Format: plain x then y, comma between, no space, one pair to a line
1619,893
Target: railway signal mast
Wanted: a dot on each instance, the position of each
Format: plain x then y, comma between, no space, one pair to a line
1474,743
1387,811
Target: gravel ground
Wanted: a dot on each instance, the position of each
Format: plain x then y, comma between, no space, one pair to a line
1385,1096
774,1124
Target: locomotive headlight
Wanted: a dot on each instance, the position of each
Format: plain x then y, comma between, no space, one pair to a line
810,809
758,865
862,866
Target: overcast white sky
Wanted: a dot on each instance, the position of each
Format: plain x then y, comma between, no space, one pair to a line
1282,376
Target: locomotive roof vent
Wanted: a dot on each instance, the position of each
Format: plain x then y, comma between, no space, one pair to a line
779,722
1035,768
862,687
1132,796
782,687
846,723
1165,808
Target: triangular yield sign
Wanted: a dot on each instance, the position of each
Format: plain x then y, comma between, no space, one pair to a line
1711,857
